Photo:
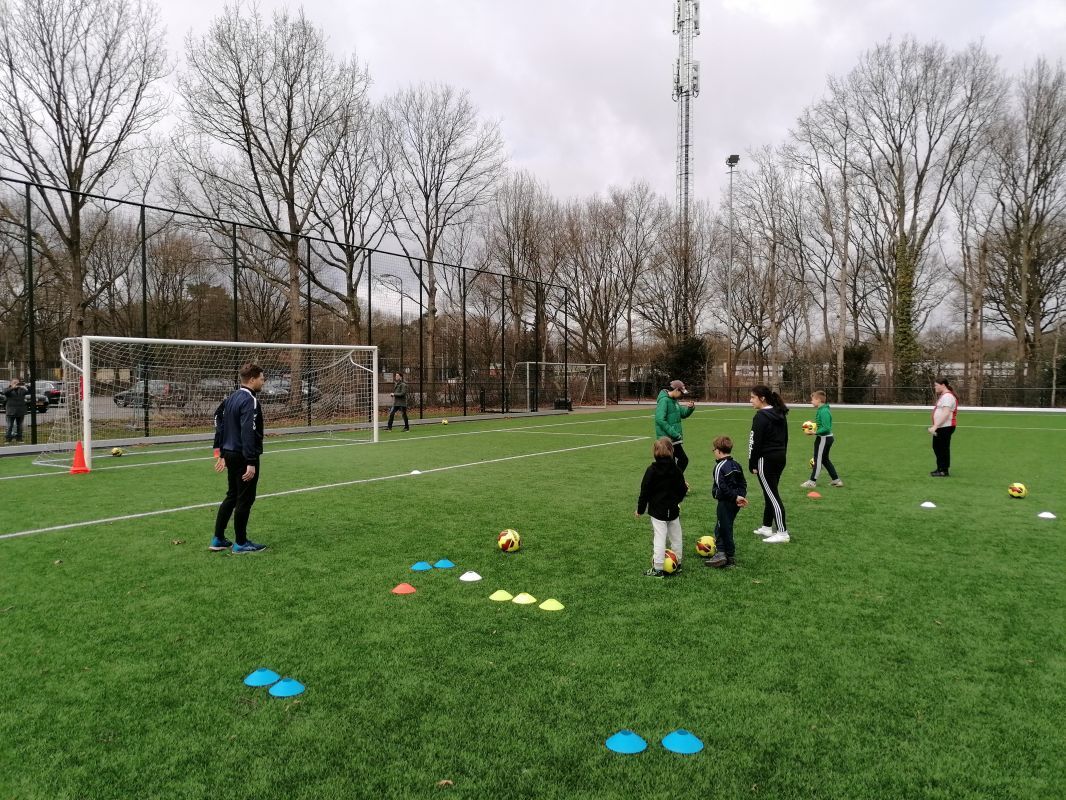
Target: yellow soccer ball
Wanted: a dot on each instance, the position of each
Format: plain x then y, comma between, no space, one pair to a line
1017,490
444,422
705,546
671,563
811,463
508,540
117,451
809,427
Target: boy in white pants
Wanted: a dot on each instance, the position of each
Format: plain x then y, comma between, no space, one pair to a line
661,492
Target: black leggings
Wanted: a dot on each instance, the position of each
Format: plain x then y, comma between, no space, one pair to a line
942,448
770,468
680,457
822,444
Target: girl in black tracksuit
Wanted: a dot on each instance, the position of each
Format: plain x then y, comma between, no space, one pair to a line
766,458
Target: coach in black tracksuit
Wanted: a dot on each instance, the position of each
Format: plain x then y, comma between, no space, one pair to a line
238,445
767,446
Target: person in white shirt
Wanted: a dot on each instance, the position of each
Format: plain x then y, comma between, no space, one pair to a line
943,427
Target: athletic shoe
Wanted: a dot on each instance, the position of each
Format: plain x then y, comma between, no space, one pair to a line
837,482
220,544
808,485
778,538
653,573
765,530
248,547
677,570
937,474
718,560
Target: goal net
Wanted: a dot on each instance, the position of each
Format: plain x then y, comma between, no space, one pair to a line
540,384
126,391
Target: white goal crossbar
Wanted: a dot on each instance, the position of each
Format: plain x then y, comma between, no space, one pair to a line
129,390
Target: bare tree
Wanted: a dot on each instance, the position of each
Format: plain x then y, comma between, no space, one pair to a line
446,164
79,90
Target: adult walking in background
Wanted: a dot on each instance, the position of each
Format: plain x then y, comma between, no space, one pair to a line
668,416
767,447
238,445
399,402
943,428
15,408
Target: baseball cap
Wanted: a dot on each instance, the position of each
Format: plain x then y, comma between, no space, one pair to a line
678,385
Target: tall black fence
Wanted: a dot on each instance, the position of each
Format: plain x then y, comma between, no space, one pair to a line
73,264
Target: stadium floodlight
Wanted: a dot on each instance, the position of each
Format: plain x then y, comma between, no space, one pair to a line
732,161
130,391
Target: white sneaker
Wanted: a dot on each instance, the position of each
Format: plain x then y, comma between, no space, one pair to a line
765,530
808,485
778,538
837,482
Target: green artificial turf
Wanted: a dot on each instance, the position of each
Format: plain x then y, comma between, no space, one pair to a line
888,651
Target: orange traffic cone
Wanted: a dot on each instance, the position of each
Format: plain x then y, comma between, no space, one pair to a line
79,468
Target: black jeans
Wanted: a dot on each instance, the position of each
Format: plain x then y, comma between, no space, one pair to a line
392,413
822,445
239,498
723,528
680,456
770,468
942,448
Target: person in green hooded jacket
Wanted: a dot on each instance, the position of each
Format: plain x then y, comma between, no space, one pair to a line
668,415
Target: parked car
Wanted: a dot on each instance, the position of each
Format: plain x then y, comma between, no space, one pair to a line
53,390
214,388
160,393
279,390
40,397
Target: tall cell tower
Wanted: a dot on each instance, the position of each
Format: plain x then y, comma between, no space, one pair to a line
686,87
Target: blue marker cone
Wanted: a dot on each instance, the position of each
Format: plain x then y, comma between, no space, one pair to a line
681,741
626,742
261,677
286,687
421,566
444,564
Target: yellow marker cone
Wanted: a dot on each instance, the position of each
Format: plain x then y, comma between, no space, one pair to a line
500,596
552,605
524,599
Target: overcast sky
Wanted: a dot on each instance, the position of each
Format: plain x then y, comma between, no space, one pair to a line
582,87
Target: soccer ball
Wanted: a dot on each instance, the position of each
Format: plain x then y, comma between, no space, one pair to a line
1017,490
670,562
508,540
705,546
811,463
444,422
117,451
809,427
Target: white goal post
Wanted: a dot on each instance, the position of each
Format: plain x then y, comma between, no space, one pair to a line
541,383
121,391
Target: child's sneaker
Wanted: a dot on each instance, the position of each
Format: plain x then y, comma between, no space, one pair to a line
837,482
718,560
248,547
220,544
764,530
653,573
808,485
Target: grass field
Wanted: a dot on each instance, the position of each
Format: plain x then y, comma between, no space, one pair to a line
888,651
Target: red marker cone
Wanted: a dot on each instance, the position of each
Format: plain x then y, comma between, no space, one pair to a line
79,468
404,588
813,495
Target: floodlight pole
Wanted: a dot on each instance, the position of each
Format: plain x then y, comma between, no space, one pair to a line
730,162
686,87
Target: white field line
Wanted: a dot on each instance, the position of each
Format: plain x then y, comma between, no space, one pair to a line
335,442
319,488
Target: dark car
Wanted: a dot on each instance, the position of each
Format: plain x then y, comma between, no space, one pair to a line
160,393
279,390
42,399
53,390
214,388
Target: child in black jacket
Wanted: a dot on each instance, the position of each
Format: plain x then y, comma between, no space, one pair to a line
729,489
661,492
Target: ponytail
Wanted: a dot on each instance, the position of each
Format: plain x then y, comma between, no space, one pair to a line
768,395
944,382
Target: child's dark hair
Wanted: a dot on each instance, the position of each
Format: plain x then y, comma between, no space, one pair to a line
723,444
663,447
768,395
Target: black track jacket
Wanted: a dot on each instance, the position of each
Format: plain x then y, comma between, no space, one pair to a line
769,435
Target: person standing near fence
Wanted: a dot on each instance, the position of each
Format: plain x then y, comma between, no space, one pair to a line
399,402
238,445
943,428
15,408
668,416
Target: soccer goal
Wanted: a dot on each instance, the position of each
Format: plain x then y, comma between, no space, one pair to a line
537,384
127,391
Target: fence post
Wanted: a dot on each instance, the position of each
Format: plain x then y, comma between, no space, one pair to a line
233,257
370,299
144,273
31,315
503,344
421,349
566,345
462,284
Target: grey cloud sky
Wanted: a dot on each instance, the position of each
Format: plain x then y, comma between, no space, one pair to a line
582,88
